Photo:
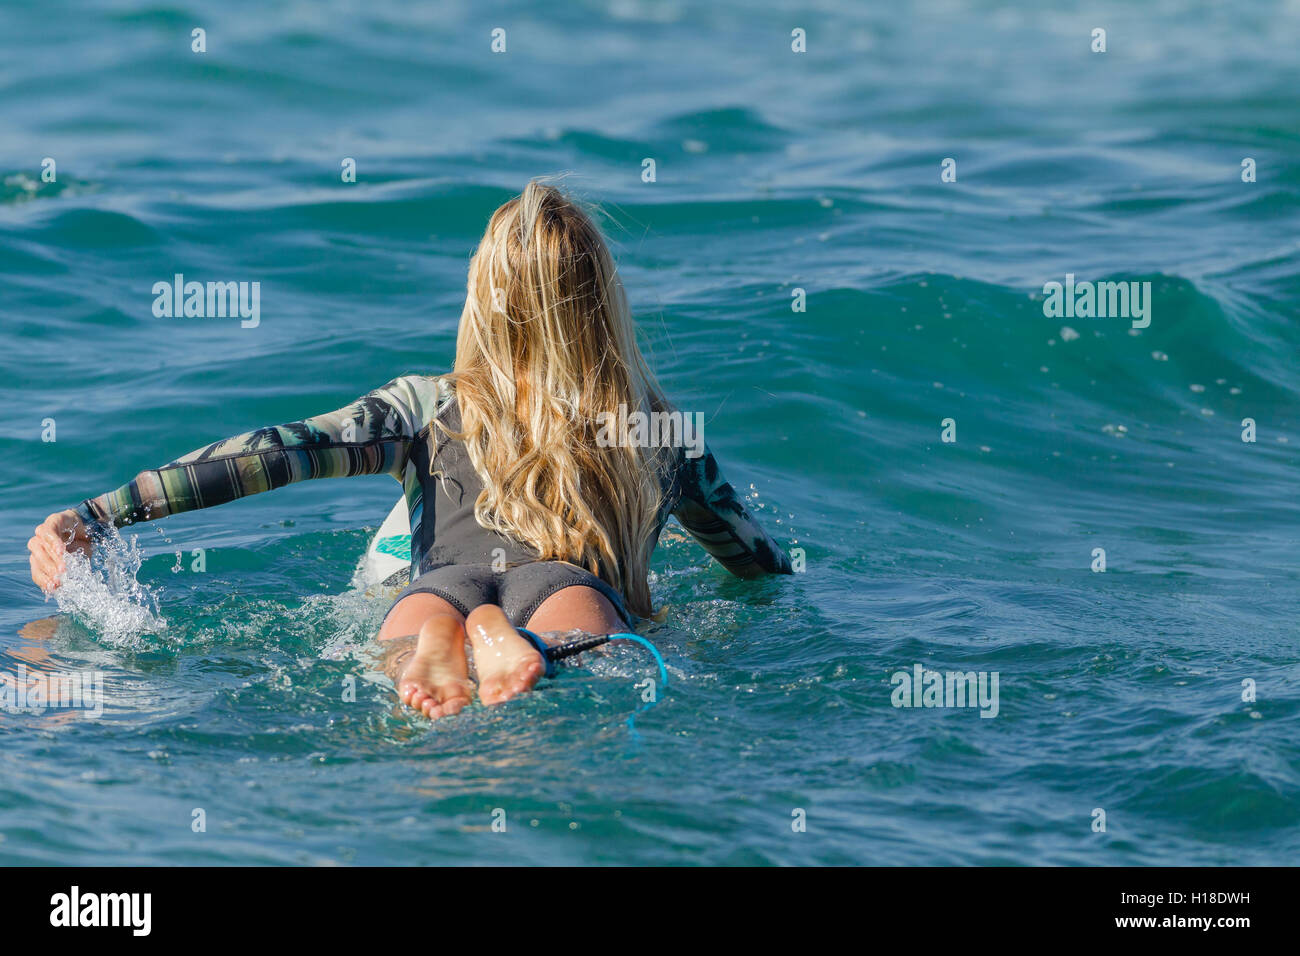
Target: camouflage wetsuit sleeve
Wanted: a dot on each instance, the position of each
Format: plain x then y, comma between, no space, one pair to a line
709,508
371,436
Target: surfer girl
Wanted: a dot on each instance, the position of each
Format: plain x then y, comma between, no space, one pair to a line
525,512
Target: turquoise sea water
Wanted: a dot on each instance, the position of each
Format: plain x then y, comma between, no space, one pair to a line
775,171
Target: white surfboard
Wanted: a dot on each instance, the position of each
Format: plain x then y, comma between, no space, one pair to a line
387,563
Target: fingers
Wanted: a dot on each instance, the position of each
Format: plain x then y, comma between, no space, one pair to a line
44,558
45,571
50,551
48,531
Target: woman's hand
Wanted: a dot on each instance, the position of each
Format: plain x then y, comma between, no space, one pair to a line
58,534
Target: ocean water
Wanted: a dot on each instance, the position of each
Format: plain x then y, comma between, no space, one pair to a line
777,740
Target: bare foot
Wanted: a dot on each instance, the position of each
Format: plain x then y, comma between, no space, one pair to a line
436,681
507,664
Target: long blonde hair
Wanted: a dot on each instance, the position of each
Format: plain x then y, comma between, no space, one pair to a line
546,345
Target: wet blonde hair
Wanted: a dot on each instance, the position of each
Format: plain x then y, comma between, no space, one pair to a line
546,344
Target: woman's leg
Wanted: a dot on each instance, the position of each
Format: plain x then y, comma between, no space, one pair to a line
577,608
424,637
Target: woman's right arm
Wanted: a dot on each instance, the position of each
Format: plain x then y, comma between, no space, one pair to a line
368,437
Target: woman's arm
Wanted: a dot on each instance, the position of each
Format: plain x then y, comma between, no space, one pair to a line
371,436
709,508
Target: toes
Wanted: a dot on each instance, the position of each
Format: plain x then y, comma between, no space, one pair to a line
416,697
448,707
432,701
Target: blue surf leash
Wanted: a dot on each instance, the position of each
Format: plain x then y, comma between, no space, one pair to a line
560,651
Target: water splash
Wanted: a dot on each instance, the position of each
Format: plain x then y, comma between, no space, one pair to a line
103,593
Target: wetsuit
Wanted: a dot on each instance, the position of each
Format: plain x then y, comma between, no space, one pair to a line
390,431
